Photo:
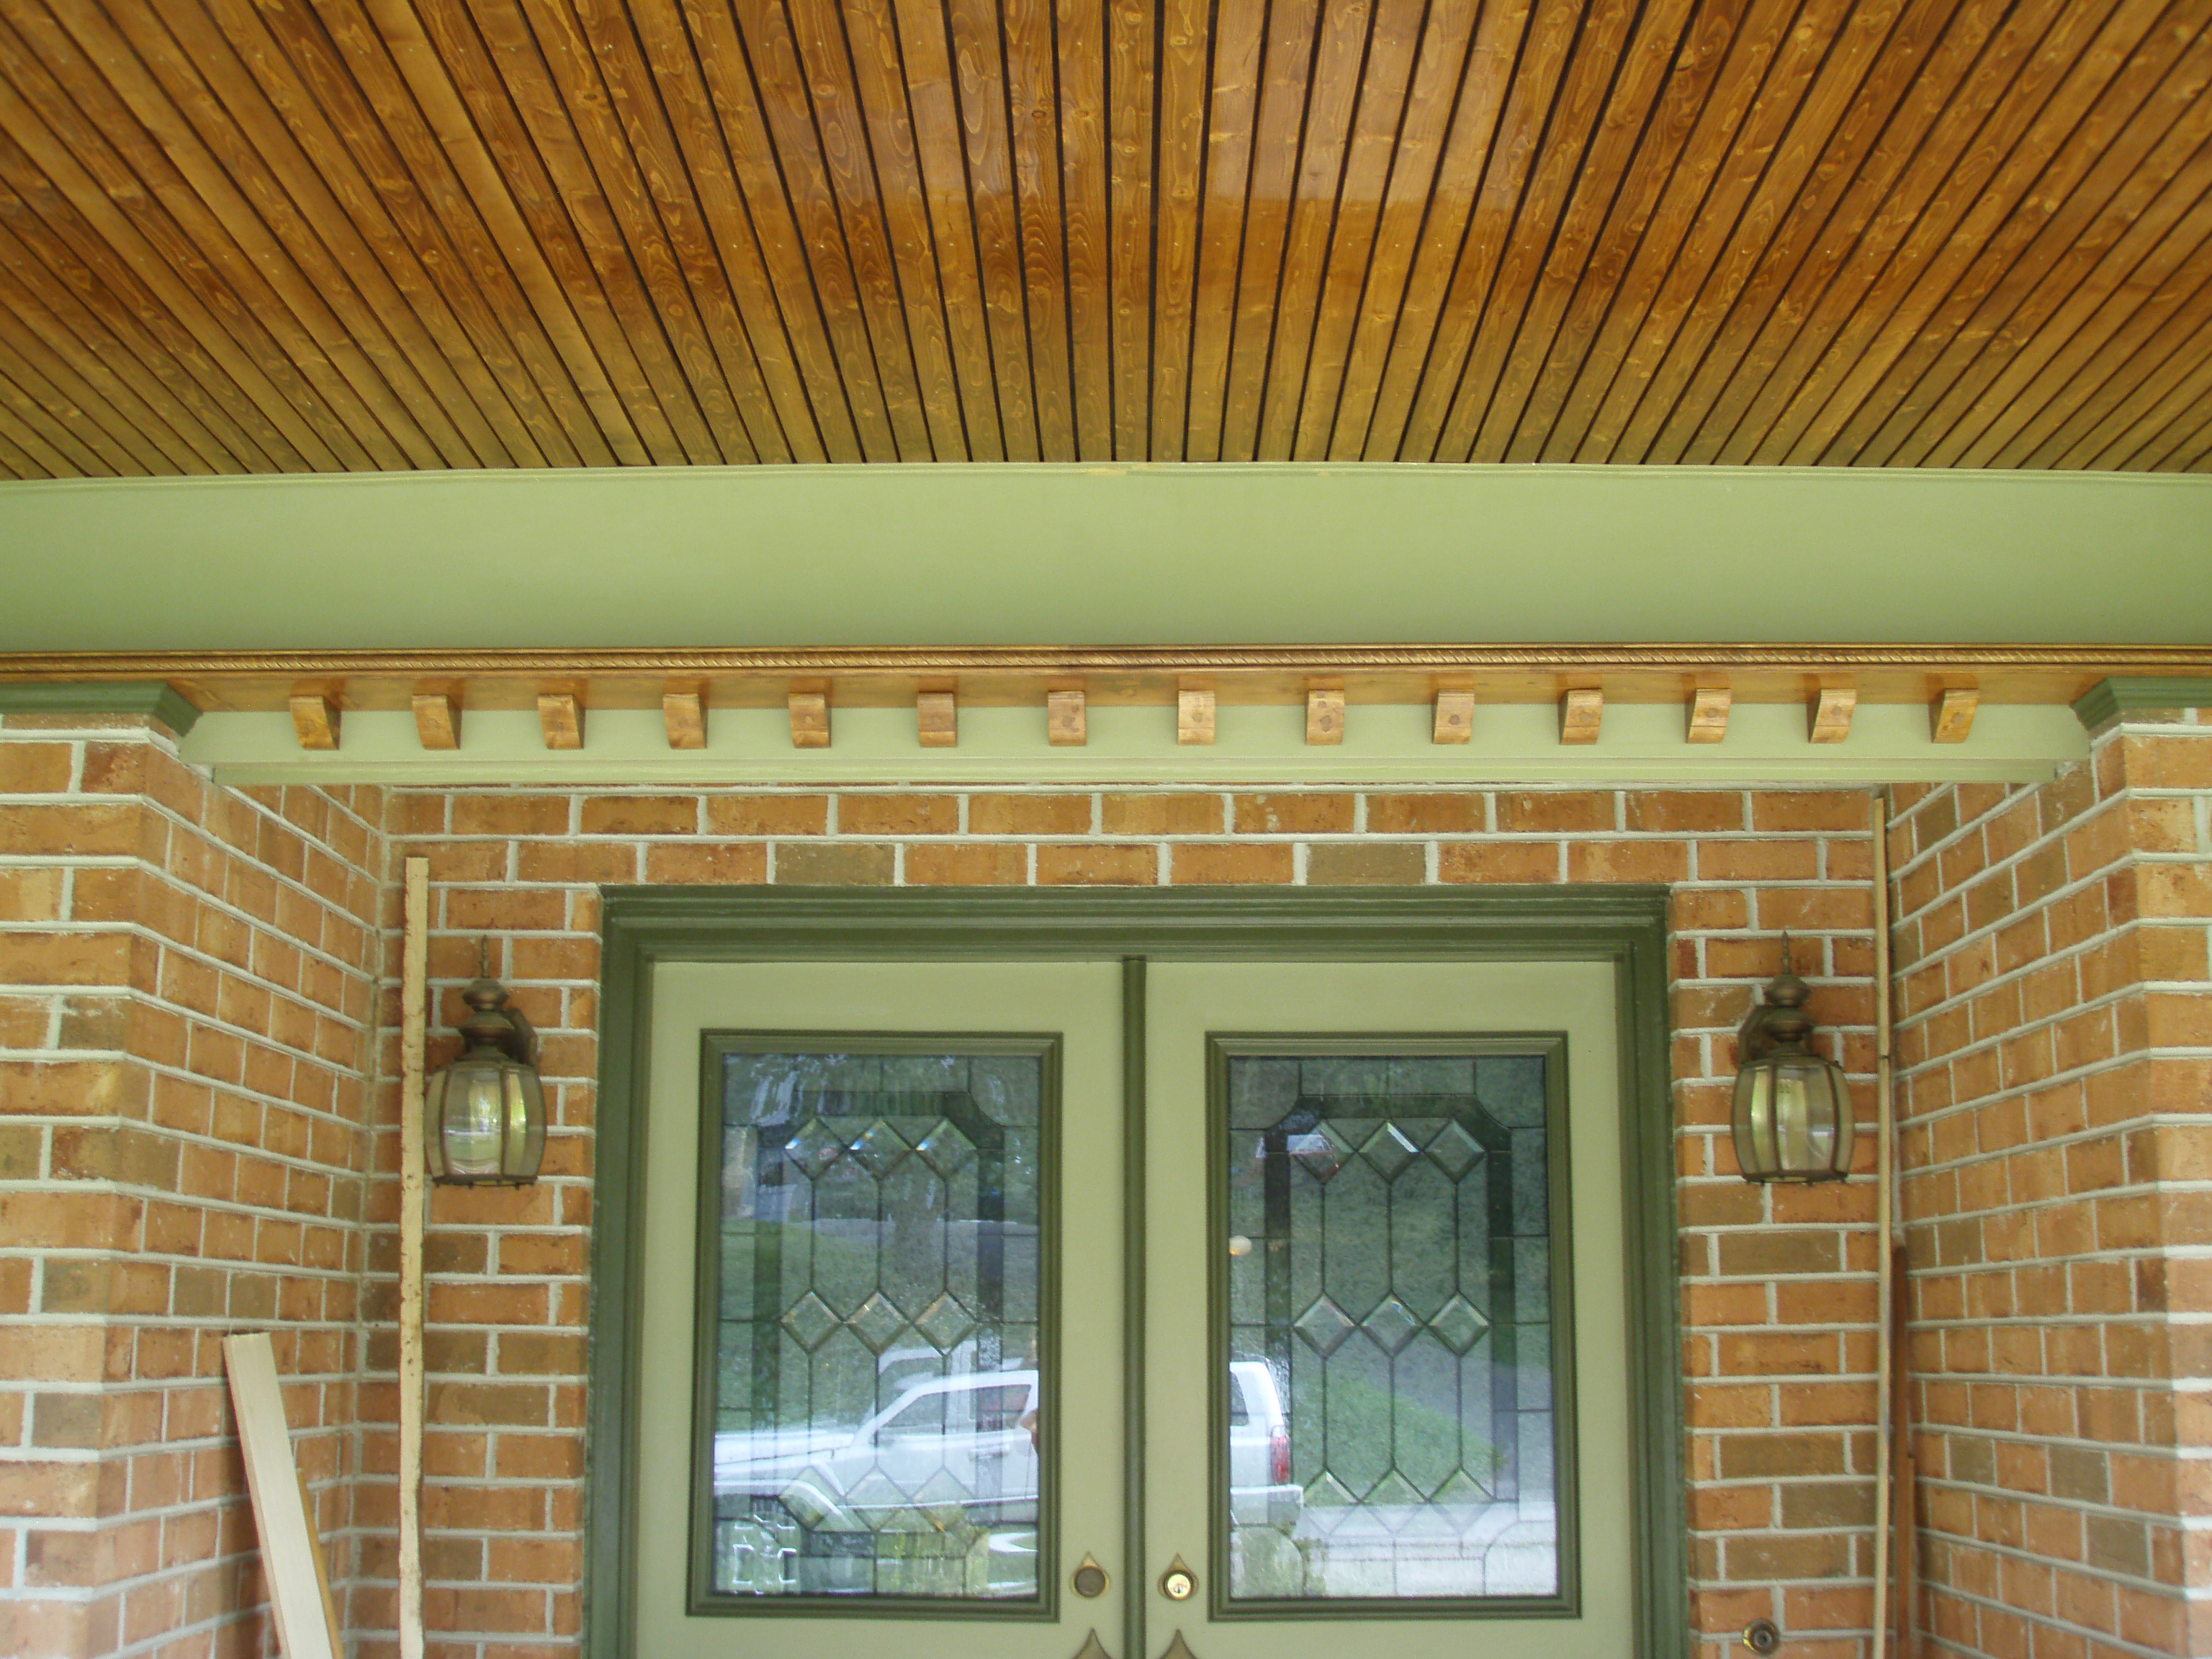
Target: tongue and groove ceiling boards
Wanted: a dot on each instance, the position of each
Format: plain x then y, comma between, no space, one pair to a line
323,236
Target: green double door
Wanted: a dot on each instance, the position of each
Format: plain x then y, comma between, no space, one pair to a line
1048,1308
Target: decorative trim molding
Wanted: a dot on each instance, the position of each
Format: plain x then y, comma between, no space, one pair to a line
2112,700
2111,660
160,701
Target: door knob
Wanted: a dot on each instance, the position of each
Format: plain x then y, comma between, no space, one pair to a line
1091,1578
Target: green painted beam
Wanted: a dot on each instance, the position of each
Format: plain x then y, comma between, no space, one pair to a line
2110,701
1513,743
974,554
153,697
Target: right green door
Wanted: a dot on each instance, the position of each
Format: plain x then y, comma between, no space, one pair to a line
1386,1406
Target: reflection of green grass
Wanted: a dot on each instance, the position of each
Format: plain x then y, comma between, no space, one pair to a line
1369,1403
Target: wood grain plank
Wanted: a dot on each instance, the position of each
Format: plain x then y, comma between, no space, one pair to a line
2180,443
1180,146
1573,197
1132,92
449,74
329,152
1285,74
177,88
1234,103
789,201
2138,366
1450,276
610,102
1697,403
821,140
2143,396
358,75
2088,255
2053,91
1656,339
1843,259
103,198
1033,125
170,372
1567,315
1352,48
66,425
979,61
939,142
513,91
1506,241
1383,128
1080,41
669,112
23,425
33,337
1457,94
17,464
879,78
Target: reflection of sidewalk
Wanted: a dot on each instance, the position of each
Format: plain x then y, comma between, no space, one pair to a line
1429,1549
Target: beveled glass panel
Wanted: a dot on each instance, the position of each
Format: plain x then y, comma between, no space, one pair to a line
1397,1424
877,1352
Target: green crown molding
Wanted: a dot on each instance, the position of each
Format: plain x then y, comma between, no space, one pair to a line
163,703
2111,701
1285,554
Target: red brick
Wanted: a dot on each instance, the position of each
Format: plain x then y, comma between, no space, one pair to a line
984,865
1207,863
898,815
1503,861
768,815
1087,864
1180,814
1028,815
1292,815
641,815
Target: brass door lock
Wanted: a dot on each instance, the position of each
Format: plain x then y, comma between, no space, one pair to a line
1178,1583
1762,1636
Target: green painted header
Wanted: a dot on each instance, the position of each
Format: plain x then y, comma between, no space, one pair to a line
2108,700
162,702
976,555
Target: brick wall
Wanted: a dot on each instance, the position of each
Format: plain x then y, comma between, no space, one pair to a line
184,993
188,1071
1778,1291
2055,1044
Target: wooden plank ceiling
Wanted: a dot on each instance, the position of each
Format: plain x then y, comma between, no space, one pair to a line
284,235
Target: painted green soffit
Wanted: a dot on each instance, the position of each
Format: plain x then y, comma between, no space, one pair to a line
152,697
1000,554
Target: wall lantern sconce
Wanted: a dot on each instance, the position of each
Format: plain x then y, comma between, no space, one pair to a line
484,1115
1793,1108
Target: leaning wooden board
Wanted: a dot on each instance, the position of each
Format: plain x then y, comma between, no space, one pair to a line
291,1554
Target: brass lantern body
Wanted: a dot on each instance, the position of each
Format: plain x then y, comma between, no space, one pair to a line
1793,1108
484,1115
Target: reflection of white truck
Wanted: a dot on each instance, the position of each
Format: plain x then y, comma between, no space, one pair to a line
966,1441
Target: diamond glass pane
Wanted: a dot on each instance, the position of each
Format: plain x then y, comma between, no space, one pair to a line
876,1356
1393,1426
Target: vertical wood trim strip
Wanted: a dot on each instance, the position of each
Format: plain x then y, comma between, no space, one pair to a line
280,1509
413,1016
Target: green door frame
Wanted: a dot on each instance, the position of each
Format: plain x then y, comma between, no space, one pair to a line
1624,925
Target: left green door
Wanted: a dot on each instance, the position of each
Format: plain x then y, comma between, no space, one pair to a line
879,1375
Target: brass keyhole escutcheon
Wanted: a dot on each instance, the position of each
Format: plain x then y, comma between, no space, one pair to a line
1178,1583
1090,1580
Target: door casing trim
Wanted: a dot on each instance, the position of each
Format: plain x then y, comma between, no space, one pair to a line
1624,925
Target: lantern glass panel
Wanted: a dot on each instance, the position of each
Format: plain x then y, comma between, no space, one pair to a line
487,1117
1793,1120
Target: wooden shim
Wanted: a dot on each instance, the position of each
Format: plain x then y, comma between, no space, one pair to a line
1455,721
290,1553
937,719
810,720
437,719
1832,714
685,712
1952,719
1708,713
315,718
414,1019
561,715
1067,718
1582,713
1194,716
1325,714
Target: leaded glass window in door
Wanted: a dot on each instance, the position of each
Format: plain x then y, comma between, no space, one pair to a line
1393,1293
875,1350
